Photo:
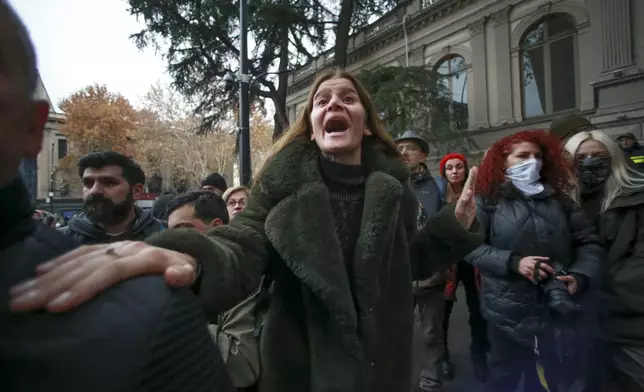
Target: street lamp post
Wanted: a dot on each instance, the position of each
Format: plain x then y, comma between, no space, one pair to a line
245,174
52,178
229,80
244,104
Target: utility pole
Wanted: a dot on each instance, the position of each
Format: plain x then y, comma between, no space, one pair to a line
244,104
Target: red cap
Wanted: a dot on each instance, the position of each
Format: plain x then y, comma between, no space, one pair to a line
452,155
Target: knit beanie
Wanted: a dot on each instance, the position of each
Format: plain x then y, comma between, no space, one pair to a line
216,180
453,155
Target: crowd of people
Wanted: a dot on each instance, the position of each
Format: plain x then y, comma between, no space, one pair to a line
315,277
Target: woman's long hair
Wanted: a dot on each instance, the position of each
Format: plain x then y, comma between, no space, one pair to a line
556,171
301,129
623,176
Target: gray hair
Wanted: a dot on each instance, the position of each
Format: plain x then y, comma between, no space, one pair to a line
16,47
623,176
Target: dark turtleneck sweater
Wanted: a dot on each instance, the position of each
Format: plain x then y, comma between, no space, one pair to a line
346,185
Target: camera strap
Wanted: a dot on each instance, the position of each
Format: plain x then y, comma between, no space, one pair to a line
535,273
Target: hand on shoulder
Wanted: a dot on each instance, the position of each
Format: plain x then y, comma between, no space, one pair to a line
77,276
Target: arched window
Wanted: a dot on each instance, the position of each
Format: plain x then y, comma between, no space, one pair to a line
452,71
548,66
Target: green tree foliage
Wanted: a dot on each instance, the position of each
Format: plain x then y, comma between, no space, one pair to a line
200,41
415,98
354,14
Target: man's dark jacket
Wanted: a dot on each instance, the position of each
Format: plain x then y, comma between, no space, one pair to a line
428,192
87,233
430,197
139,335
621,230
332,325
518,226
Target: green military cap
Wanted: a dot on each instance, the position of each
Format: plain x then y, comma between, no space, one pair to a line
566,126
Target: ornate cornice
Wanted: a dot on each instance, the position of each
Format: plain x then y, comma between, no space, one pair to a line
477,27
501,17
380,35
417,52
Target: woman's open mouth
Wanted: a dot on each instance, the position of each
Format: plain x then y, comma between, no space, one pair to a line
336,125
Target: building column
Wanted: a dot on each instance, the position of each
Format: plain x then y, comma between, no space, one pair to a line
478,105
416,56
617,44
503,70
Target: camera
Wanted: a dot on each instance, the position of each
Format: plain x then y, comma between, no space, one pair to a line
556,291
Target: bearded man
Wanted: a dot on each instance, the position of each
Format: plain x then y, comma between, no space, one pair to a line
111,183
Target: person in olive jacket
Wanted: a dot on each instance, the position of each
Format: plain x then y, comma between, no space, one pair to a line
540,254
332,221
612,194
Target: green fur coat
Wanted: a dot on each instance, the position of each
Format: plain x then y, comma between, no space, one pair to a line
323,332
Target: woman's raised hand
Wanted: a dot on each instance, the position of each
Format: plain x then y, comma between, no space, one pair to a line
77,276
465,210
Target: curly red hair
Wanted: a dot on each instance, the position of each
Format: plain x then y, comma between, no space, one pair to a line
556,170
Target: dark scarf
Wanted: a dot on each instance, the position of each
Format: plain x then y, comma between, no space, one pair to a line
15,213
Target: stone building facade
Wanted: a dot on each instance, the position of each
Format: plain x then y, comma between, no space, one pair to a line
515,64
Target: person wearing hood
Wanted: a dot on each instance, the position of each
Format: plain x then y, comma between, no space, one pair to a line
428,289
111,184
611,192
633,149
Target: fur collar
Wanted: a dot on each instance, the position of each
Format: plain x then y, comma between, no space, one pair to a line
297,165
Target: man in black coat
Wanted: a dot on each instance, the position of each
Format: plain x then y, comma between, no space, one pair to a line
137,336
111,184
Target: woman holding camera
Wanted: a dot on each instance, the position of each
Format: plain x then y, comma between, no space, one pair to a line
539,255
612,194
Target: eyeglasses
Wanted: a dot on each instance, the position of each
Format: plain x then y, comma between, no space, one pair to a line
233,203
406,148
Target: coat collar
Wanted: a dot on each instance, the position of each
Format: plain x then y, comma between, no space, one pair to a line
301,229
297,165
629,198
509,191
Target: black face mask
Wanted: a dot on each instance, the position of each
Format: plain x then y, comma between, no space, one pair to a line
101,209
592,173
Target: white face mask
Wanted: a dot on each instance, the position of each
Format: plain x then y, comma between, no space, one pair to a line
525,176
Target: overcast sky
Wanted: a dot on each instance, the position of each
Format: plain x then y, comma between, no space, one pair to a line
80,42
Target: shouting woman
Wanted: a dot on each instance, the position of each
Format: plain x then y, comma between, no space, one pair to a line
539,256
611,192
332,221
454,170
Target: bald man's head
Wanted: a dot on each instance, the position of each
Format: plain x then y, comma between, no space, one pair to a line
22,120
17,54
